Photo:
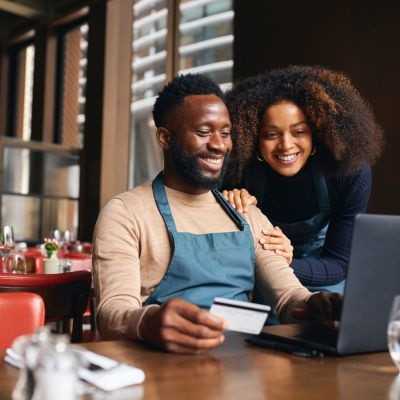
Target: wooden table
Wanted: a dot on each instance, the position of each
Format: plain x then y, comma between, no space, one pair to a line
236,370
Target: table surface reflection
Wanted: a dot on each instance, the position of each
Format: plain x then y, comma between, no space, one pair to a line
236,370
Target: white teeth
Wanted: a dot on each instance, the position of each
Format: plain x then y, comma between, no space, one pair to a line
213,160
287,158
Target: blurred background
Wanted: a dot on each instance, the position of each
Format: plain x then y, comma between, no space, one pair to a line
78,81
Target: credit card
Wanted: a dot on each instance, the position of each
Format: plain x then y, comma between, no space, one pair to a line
241,316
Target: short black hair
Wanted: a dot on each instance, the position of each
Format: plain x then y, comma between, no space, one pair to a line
173,94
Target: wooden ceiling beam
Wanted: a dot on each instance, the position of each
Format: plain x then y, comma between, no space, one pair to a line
27,9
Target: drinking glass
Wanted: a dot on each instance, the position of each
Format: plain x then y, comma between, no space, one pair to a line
55,234
65,239
16,263
394,332
394,393
7,243
65,265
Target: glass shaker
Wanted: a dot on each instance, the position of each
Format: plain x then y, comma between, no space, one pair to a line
56,372
394,332
28,348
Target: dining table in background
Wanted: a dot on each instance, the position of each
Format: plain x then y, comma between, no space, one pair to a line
236,370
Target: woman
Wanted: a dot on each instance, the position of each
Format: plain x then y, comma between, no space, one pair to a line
304,143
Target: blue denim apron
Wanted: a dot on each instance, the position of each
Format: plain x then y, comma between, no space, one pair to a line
308,237
204,266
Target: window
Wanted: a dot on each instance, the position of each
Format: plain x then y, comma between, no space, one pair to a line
21,90
72,85
149,76
40,189
206,39
205,42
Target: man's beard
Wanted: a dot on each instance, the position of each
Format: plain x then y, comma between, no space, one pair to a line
188,168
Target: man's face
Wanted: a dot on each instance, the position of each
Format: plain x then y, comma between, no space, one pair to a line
200,140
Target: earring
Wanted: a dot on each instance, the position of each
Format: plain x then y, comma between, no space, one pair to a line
314,150
259,158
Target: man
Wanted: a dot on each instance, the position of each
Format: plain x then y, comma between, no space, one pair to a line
163,251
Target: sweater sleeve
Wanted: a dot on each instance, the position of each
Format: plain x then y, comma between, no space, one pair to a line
275,283
116,272
349,196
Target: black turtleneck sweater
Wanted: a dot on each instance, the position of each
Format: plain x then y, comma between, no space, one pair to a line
292,199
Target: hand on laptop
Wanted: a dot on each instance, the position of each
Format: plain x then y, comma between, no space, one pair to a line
181,327
321,306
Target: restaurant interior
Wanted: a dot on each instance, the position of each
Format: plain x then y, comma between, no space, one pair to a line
78,80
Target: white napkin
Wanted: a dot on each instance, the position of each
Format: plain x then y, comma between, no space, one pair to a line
103,372
13,358
109,374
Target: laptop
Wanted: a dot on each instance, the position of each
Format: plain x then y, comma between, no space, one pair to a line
373,279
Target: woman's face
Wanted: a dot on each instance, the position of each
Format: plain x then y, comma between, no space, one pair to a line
285,139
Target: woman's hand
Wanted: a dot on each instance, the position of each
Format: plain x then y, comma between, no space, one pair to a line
276,241
240,199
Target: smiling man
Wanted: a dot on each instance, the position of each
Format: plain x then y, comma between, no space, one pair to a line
197,141
164,250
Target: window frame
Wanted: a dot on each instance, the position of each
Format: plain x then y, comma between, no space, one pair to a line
61,31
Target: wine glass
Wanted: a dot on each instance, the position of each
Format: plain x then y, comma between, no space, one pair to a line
7,243
394,393
394,332
66,239
56,234
16,263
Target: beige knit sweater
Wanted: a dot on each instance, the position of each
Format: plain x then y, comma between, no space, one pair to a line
132,251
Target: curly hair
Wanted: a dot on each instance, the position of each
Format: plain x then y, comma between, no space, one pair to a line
343,124
173,94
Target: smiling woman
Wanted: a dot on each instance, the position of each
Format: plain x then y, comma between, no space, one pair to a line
285,140
304,142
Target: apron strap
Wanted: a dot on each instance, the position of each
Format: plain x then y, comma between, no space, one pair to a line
233,214
321,190
161,199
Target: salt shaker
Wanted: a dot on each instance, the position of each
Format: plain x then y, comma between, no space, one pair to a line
29,347
56,371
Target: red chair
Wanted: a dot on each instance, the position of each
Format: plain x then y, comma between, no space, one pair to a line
21,314
87,247
65,295
34,260
80,247
79,260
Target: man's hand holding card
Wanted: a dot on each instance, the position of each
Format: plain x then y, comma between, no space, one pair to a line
241,316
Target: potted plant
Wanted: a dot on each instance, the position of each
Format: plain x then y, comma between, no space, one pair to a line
51,262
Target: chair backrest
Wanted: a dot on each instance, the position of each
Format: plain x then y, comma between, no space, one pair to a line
79,260
65,295
34,260
21,314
